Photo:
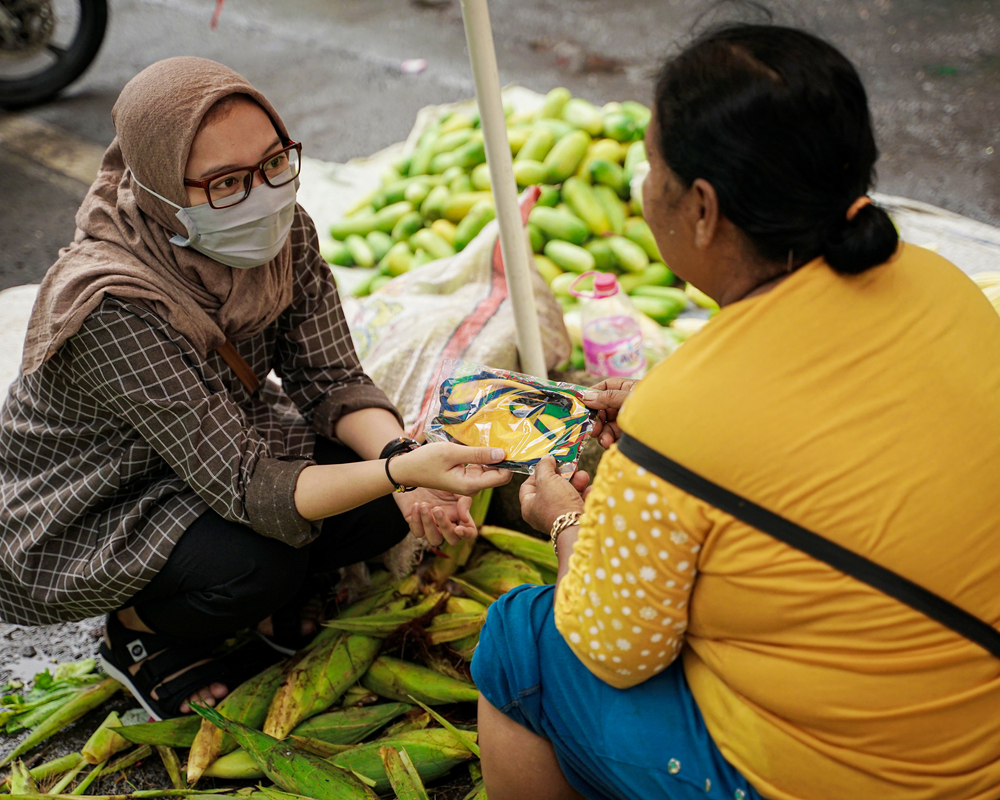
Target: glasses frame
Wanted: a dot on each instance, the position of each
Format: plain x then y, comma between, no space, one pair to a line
252,170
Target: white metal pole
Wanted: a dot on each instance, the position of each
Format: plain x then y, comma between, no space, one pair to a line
513,245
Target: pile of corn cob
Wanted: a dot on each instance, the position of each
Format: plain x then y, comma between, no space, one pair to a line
350,716
434,202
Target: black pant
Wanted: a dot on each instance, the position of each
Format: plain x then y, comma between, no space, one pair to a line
222,576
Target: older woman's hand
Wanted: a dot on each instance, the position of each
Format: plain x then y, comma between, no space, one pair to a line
607,397
547,494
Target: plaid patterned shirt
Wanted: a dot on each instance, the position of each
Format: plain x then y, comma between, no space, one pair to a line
111,449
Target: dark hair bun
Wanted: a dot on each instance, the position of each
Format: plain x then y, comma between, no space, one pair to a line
864,242
777,121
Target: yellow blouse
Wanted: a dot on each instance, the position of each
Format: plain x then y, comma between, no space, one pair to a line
866,409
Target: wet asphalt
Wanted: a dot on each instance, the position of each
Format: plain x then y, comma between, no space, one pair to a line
932,69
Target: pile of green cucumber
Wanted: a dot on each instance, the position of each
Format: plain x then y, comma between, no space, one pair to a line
433,203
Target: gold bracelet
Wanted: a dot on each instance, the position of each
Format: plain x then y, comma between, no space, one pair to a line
562,522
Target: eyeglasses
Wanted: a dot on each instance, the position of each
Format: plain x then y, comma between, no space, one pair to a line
233,186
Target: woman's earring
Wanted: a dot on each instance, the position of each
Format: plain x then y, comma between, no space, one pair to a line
790,265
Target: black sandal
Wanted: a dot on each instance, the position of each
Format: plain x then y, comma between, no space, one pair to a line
286,623
129,647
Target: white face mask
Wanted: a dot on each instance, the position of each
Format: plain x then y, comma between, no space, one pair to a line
248,234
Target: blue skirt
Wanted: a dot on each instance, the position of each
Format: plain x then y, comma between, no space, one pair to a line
645,742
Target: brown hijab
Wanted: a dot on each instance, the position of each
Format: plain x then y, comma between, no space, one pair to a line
122,243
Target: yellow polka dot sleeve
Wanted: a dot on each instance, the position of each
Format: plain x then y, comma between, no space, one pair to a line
623,605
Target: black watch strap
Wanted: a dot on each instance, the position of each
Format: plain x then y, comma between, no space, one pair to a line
395,448
400,444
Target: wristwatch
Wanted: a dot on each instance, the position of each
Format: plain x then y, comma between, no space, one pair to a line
394,448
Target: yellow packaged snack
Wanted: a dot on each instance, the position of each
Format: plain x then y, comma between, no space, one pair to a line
528,418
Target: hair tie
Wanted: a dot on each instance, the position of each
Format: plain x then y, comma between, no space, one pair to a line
857,205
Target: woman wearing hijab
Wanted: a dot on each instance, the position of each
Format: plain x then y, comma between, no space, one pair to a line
149,470
851,385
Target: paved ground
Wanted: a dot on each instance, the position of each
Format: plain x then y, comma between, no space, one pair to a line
932,68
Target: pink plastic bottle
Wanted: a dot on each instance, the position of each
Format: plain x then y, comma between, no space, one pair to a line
612,338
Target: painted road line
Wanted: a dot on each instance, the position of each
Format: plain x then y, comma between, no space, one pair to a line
51,147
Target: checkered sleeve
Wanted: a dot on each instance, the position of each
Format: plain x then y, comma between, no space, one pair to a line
315,356
160,390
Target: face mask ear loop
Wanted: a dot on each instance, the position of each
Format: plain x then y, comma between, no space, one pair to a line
181,215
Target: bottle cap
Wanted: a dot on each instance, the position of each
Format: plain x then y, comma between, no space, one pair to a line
605,285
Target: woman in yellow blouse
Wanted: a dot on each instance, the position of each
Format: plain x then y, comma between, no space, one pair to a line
850,384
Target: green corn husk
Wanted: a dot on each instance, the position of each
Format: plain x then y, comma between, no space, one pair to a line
50,691
498,573
235,766
480,505
21,781
442,665
29,718
176,732
366,605
69,777
139,793
271,793
402,775
451,627
382,589
105,741
92,776
520,545
473,591
464,605
452,557
172,764
50,768
417,722
350,725
465,737
433,753
549,576
358,696
317,746
87,700
465,648
247,704
400,680
478,792
387,622
129,759
318,680
392,605
291,769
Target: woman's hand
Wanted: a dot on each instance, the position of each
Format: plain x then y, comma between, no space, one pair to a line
607,397
437,516
448,474
450,467
547,494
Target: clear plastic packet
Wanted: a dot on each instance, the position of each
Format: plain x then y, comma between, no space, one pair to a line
527,417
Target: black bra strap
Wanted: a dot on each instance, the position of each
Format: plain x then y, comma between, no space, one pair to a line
820,548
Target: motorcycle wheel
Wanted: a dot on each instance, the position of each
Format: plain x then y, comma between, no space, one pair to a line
33,72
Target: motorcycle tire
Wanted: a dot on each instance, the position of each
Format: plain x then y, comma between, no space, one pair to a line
71,62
